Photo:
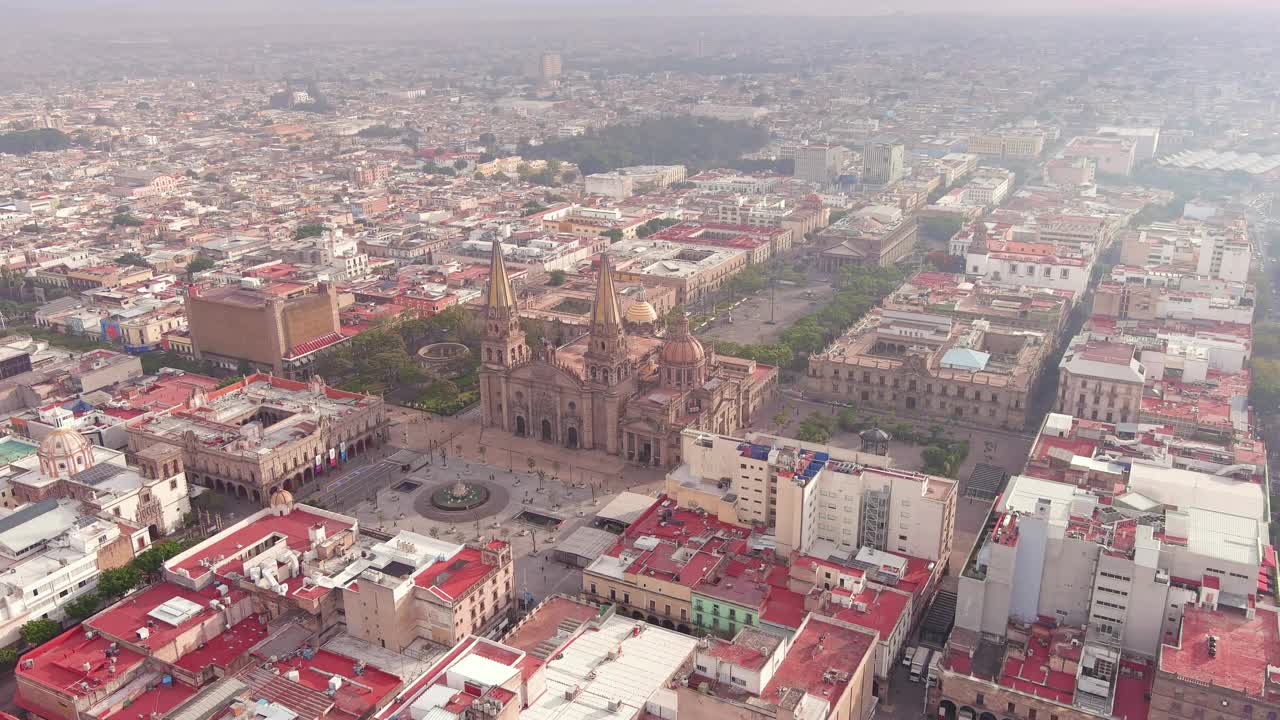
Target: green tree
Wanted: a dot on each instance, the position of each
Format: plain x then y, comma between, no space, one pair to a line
556,277
380,131
699,143
83,607
568,176
488,139
118,581
935,460
8,657
815,428
614,234
848,420
654,226
150,561
460,164
24,142
939,228
199,264
132,258
125,220
308,231
39,632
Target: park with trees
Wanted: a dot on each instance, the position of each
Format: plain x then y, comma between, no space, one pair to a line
696,142
857,290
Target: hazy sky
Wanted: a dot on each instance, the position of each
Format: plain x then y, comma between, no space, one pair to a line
660,7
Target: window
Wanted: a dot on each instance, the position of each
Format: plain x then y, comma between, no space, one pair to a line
626,598
173,484
1010,708
979,699
593,589
613,594
1031,713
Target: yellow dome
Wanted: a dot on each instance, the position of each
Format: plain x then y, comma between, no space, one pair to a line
641,313
281,497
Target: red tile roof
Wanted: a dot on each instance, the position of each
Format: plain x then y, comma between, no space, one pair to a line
315,344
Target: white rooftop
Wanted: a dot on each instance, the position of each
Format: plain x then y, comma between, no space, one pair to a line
1186,489
647,661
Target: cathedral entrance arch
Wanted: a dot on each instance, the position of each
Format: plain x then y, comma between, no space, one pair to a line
546,430
521,430
571,438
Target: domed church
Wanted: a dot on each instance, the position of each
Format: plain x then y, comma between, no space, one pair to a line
628,395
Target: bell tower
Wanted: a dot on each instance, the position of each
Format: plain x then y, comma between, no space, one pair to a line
501,345
606,356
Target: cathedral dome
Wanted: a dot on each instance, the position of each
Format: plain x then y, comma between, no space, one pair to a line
641,313
282,498
63,453
682,349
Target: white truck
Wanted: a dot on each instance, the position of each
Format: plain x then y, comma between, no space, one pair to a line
920,663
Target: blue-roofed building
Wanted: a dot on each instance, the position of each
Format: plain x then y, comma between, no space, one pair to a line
965,359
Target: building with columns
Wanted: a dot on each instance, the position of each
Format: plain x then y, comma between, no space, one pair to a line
263,434
611,389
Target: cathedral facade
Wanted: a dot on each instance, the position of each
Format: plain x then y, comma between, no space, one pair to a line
625,393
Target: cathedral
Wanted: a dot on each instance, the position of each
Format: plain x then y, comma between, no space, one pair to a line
627,393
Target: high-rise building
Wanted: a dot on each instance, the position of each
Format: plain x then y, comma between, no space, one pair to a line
819,164
237,325
551,66
882,161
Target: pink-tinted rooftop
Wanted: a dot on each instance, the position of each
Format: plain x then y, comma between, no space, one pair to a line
156,702
819,647
351,698
127,617
221,650
1245,647
451,579
543,624
292,527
